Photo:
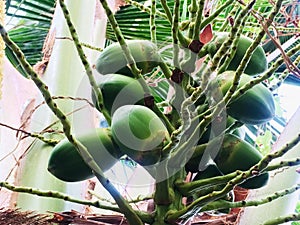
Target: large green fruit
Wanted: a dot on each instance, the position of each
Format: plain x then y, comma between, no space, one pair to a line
233,154
258,61
118,90
66,164
255,106
139,132
112,59
236,154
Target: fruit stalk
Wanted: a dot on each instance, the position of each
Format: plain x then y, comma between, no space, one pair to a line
283,219
152,21
193,8
34,135
167,10
146,9
175,21
198,20
236,28
220,204
125,208
57,195
233,48
215,14
233,12
284,75
277,63
119,36
84,60
147,218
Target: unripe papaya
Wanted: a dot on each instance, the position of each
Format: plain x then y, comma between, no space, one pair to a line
66,164
258,61
255,106
139,132
236,154
112,58
118,90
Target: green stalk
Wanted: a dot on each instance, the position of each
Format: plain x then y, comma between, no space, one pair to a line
232,14
166,9
284,75
283,219
198,20
215,14
186,189
146,9
193,8
233,47
175,22
145,217
42,138
221,204
152,21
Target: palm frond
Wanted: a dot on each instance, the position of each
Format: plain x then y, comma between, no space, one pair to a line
33,23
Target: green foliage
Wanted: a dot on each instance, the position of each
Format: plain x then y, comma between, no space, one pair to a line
33,20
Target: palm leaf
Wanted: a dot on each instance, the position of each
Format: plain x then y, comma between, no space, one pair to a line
33,22
134,23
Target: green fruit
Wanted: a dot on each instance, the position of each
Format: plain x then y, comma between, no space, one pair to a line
217,129
236,154
258,61
112,58
233,154
66,164
255,106
118,90
139,132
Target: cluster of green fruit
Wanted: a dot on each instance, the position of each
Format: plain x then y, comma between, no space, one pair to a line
138,132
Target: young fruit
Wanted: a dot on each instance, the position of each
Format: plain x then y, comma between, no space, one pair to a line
255,106
139,132
118,90
233,154
258,61
66,164
112,58
218,129
236,154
